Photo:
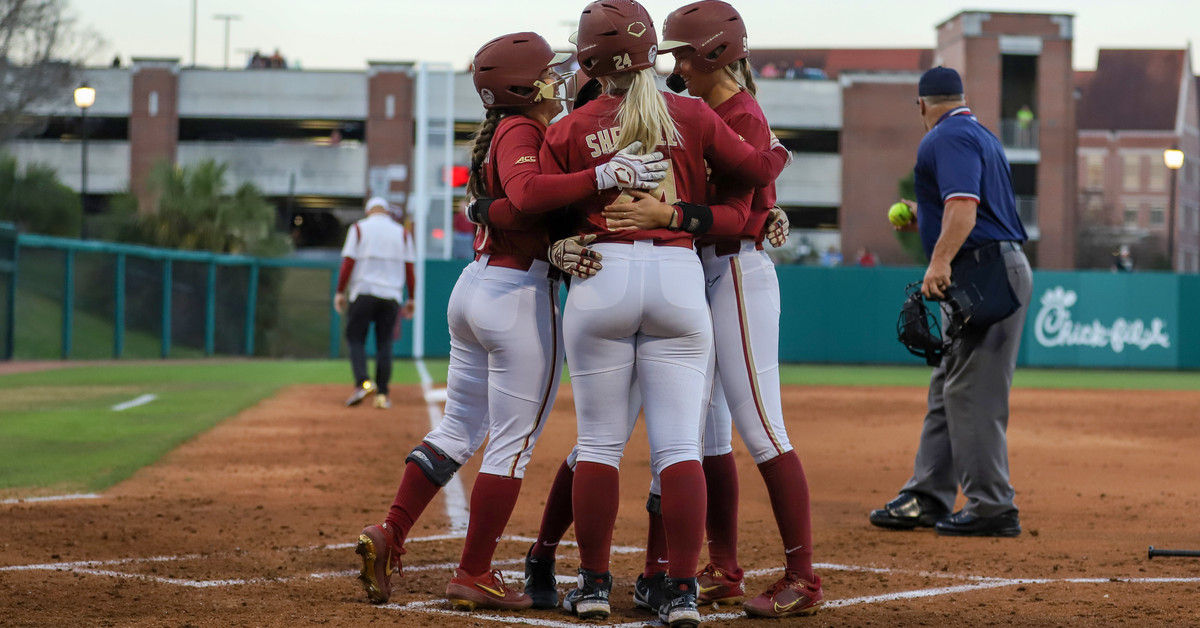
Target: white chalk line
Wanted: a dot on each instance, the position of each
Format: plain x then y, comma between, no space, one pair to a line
456,497
135,402
51,498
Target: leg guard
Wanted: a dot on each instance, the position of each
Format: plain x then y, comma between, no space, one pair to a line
434,463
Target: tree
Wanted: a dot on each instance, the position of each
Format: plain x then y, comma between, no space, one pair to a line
37,201
41,51
909,241
194,211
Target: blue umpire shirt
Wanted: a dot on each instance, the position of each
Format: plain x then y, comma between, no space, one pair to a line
960,158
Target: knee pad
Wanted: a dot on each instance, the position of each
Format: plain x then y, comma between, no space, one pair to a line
434,463
654,504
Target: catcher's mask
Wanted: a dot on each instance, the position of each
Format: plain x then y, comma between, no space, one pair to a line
919,328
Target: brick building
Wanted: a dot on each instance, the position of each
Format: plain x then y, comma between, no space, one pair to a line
1133,107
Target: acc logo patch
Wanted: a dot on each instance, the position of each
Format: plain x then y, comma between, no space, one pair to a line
527,159
653,54
487,96
637,29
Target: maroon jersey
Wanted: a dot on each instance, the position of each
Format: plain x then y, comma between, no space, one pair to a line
511,171
743,114
590,135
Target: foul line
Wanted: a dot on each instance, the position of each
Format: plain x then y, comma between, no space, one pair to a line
52,498
456,497
436,606
135,402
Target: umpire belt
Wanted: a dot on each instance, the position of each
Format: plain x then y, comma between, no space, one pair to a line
987,252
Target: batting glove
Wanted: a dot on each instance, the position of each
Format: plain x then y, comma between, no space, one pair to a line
775,143
778,227
629,170
477,210
572,256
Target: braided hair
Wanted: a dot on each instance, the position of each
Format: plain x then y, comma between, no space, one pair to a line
476,186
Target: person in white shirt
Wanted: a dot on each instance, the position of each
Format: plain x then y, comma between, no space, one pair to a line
377,265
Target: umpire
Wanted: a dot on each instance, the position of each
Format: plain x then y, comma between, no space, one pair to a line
969,227
377,263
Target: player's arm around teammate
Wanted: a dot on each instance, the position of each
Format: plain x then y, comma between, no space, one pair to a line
506,343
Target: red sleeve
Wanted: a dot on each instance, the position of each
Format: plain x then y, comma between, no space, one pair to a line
732,156
521,175
736,199
344,273
410,279
503,214
729,216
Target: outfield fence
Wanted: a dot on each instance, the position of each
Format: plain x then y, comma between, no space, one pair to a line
66,299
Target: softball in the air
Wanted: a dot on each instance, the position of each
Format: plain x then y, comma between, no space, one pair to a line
899,214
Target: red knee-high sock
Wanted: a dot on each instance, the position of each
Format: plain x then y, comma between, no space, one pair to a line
557,516
721,479
788,489
492,501
415,493
683,506
596,495
656,545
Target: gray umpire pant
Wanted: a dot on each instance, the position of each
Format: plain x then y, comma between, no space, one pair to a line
963,441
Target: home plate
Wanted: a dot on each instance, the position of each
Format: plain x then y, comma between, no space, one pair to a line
436,395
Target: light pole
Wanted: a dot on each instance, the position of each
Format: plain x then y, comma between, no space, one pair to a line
228,18
85,97
1173,158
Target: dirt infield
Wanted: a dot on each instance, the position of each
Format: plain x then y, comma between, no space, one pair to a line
251,523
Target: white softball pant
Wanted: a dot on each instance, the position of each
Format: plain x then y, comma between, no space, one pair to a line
506,356
646,310
743,294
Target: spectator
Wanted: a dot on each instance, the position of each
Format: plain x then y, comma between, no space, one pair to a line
1025,127
277,62
257,61
770,71
116,62
866,258
831,258
1122,260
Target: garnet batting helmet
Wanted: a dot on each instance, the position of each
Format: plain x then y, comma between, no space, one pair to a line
711,27
615,36
508,69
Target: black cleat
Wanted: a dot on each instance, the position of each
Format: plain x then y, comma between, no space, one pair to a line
908,511
962,524
540,583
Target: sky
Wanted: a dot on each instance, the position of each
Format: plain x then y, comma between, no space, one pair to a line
345,34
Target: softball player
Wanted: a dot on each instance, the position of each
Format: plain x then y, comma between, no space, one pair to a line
708,40
506,344
646,308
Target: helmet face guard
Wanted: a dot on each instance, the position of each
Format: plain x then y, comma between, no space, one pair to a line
562,87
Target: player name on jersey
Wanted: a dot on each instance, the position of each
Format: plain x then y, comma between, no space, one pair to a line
605,141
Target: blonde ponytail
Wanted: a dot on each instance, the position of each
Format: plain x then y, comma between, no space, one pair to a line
743,75
643,115
476,186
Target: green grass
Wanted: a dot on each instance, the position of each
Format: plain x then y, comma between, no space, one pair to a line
57,429
39,334
58,432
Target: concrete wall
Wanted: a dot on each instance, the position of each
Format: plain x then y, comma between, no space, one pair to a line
272,94
108,162
328,170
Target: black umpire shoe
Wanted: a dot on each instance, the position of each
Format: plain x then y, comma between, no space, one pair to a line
962,524
908,511
540,583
